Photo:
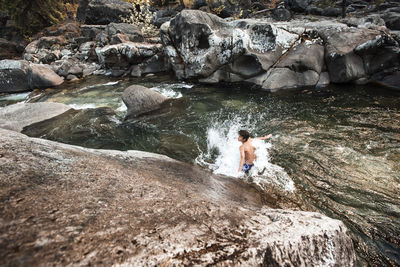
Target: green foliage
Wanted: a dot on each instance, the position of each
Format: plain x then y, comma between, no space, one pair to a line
33,15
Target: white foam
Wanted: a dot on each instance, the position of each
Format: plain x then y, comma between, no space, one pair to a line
170,90
98,85
222,155
122,108
82,106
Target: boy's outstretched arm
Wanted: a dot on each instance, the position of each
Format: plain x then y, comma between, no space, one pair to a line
264,137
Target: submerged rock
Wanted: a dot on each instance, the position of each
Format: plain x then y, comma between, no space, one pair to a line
105,207
139,100
17,116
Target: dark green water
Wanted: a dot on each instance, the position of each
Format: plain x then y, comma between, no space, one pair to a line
340,145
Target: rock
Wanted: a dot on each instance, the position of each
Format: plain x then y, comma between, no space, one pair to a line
139,100
370,21
314,10
283,78
207,48
43,76
136,71
331,12
203,46
165,15
390,79
345,68
67,30
298,5
91,31
86,47
281,14
71,66
17,116
81,11
19,76
343,64
132,32
48,42
323,80
14,76
106,11
9,50
304,57
222,75
125,54
119,38
71,77
381,59
392,20
107,207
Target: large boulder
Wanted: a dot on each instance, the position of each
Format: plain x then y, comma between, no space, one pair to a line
106,11
14,76
19,75
17,116
139,100
199,43
105,207
348,52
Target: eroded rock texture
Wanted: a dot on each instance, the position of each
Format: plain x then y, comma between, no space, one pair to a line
63,204
276,55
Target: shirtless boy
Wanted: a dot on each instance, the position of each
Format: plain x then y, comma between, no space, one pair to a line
247,155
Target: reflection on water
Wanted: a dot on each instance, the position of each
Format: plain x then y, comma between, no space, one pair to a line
339,146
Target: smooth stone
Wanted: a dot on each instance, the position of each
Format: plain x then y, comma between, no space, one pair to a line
139,100
17,116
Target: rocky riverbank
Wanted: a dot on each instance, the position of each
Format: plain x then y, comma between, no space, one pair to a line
263,51
65,205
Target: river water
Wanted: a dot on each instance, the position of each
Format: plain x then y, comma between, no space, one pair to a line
336,149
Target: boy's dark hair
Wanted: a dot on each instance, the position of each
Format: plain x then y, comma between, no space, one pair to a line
245,134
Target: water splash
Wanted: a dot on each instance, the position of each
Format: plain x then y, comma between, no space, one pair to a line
222,154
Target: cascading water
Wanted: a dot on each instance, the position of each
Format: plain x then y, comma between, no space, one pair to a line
222,154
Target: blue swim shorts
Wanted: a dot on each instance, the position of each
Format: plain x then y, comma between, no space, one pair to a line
247,167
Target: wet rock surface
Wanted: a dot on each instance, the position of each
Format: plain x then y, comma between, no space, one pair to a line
65,205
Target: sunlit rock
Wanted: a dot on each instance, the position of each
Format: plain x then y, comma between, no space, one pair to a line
105,207
139,99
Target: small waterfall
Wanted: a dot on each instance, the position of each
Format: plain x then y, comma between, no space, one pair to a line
222,154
